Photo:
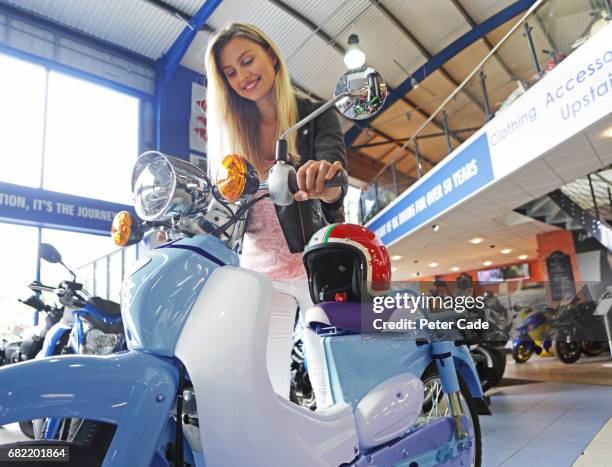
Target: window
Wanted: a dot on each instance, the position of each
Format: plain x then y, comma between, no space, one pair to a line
22,98
91,139
18,260
77,250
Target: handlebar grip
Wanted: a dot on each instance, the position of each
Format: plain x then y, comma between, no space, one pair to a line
340,179
37,286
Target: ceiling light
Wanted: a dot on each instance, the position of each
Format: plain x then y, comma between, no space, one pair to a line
523,257
476,240
607,133
455,268
487,263
393,269
435,227
396,257
354,57
433,265
506,251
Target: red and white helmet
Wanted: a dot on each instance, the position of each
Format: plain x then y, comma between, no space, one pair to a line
346,262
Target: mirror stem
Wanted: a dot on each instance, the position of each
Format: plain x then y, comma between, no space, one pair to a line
281,143
69,270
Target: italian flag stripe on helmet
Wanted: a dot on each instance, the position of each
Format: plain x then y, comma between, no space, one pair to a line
328,233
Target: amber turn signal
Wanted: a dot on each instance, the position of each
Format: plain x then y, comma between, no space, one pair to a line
232,177
122,228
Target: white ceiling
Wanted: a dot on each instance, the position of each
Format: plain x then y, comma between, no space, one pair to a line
146,29
483,215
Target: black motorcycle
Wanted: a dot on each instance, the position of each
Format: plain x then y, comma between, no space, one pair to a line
576,330
31,340
488,347
30,343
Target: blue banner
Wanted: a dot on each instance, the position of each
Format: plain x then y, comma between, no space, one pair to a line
34,206
463,174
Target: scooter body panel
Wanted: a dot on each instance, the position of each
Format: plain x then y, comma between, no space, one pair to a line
383,356
158,295
249,423
133,390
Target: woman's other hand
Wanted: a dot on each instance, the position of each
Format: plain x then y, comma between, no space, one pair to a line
311,177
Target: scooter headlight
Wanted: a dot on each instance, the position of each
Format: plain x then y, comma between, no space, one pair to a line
164,186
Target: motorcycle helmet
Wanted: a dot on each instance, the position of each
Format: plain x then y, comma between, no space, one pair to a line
346,262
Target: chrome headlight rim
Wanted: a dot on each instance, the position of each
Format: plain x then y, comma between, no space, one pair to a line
143,162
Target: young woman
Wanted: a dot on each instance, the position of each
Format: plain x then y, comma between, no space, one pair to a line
250,103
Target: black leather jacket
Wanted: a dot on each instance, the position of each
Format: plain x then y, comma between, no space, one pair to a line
321,139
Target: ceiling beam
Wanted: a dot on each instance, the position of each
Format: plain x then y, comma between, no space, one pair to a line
329,40
364,168
341,50
423,50
178,13
172,58
448,53
486,41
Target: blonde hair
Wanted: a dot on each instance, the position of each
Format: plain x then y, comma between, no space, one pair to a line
233,121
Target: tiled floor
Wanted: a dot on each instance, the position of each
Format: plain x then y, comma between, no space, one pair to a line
546,425
533,425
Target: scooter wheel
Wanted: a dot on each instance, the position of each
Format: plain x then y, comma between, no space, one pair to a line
522,352
435,405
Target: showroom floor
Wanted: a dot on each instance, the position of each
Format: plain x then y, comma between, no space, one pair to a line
542,424
546,424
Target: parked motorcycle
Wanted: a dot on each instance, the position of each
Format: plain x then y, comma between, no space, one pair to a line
575,328
194,380
487,347
30,341
85,325
534,333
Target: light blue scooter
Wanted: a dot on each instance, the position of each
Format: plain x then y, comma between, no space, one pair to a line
194,387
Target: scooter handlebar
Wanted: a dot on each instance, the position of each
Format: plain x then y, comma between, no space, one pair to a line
38,287
340,179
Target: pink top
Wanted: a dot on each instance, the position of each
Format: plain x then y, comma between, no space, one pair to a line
265,249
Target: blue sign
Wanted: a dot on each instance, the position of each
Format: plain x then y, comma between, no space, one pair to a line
463,174
34,206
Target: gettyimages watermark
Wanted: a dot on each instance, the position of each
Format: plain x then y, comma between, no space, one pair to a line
417,307
489,312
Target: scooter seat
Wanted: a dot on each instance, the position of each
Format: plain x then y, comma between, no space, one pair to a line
342,315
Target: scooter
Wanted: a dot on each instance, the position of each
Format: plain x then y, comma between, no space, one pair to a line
194,381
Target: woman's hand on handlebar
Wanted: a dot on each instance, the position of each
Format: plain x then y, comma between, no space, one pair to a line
311,178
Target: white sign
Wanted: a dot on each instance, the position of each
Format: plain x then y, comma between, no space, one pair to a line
572,96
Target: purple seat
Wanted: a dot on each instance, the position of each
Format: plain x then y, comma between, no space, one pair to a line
343,315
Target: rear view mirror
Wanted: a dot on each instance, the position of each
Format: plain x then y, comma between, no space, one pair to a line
49,253
365,92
